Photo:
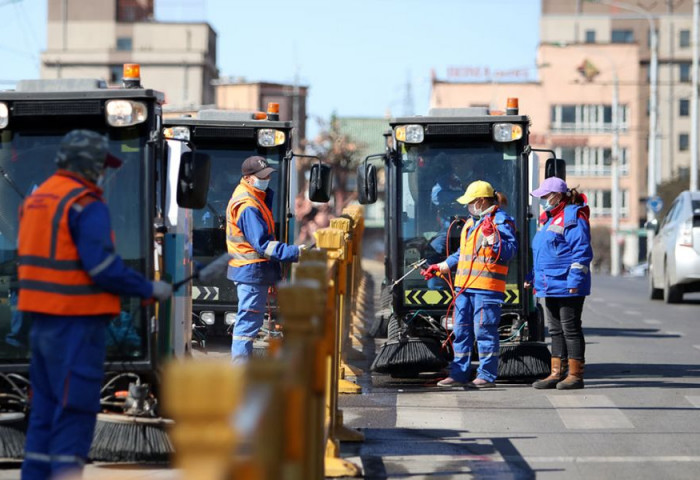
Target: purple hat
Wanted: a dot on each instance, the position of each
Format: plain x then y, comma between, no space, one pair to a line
550,185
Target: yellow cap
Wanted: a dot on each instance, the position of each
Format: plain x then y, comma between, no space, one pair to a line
478,189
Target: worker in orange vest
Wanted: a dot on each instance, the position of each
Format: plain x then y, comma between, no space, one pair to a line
487,243
70,280
256,254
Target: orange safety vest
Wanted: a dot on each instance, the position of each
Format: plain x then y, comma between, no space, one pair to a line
243,253
52,279
479,267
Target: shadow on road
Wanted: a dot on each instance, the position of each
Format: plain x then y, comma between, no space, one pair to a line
482,457
627,332
628,375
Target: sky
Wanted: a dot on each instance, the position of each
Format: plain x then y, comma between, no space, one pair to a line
357,57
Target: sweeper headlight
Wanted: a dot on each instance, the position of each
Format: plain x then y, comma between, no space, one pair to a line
4,115
507,132
230,318
208,318
269,137
177,133
124,113
410,133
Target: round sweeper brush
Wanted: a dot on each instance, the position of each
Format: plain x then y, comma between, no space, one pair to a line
126,438
12,437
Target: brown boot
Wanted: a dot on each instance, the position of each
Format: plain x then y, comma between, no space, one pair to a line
574,380
554,377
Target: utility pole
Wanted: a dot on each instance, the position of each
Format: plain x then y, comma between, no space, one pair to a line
615,191
694,101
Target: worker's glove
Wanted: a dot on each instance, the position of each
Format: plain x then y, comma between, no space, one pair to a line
488,230
161,290
431,271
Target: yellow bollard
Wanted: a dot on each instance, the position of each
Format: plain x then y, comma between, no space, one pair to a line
302,305
201,396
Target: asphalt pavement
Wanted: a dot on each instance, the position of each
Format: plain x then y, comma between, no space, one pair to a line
637,418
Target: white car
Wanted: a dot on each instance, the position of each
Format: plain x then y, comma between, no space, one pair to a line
674,258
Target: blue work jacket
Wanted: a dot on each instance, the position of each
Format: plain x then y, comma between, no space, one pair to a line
562,254
254,228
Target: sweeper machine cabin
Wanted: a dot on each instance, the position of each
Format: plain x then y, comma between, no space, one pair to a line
147,198
451,147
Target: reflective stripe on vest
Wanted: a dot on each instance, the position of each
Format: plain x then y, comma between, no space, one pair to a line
51,277
242,252
479,267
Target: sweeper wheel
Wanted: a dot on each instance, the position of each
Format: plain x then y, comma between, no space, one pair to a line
126,438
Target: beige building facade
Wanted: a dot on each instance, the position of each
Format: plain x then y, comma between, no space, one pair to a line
570,108
580,22
93,39
239,94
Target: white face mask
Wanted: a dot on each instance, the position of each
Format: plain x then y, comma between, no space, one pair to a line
260,184
474,211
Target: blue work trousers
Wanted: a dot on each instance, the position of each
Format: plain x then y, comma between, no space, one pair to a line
476,314
252,299
66,373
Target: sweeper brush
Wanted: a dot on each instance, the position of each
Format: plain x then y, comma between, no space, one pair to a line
125,438
524,361
417,347
12,438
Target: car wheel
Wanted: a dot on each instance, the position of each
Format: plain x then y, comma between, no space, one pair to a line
672,293
654,293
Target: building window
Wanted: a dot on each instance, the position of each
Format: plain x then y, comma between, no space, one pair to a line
683,140
685,38
600,202
124,44
115,73
592,161
586,118
622,36
590,36
684,72
683,107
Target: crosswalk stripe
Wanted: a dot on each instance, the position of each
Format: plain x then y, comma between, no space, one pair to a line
589,412
694,399
651,321
445,411
599,459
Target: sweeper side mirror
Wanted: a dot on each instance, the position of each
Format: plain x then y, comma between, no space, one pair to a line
320,182
367,181
555,167
193,180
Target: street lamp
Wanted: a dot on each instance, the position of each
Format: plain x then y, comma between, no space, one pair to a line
653,97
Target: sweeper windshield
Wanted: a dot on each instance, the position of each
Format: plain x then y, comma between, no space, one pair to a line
27,155
431,176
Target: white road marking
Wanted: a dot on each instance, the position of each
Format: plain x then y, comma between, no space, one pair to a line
632,312
588,412
696,346
674,334
445,411
651,321
596,299
694,399
616,459
613,305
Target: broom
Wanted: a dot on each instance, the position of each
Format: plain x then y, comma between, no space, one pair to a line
12,438
137,435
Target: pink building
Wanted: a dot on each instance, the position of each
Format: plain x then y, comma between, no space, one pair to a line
571,112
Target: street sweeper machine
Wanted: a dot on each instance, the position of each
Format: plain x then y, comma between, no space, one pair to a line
148,198
429,162
228,138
